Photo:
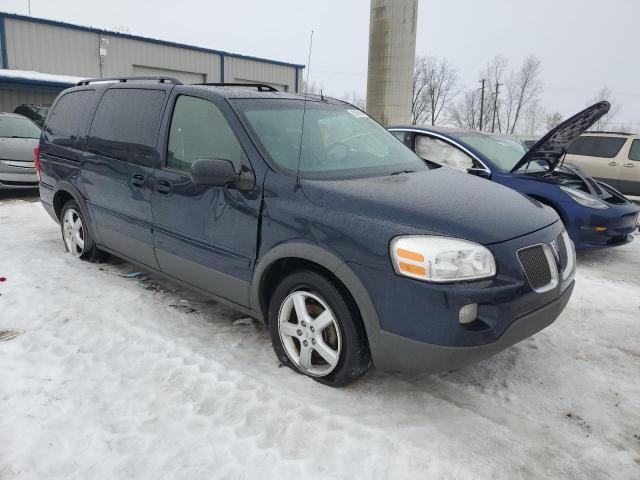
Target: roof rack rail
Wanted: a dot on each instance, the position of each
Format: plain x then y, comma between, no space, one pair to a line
605,131
262,87
172,80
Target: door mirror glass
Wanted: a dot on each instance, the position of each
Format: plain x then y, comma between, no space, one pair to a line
213,171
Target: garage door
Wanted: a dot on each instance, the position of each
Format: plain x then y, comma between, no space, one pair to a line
184,77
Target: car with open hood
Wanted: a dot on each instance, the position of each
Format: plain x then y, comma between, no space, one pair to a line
305,213
594,213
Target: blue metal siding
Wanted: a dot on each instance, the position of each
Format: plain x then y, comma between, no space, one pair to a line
3,45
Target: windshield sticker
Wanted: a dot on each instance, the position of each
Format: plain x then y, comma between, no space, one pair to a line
357,113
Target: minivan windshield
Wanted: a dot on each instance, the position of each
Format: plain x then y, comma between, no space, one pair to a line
18,127
504,153
337,141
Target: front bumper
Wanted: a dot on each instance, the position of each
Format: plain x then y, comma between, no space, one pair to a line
604,228
419,327
16,175
397,353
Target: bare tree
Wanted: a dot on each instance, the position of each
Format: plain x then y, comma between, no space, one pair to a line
466,112
552,120
435,85
354,98
494,73
523,88
534,117
313,88
605,93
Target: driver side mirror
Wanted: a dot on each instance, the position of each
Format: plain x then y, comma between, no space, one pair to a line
220,173
479,172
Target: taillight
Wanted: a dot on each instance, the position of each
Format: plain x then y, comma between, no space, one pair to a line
36,161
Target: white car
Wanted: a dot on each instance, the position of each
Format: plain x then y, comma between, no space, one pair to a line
613,158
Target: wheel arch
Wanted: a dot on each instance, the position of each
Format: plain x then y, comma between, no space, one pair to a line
65,191
294,256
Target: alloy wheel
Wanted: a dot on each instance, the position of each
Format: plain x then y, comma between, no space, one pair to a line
73,232
310,333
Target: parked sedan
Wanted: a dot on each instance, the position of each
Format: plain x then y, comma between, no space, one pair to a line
18,138
595,214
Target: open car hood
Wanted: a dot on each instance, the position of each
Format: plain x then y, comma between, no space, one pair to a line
553,145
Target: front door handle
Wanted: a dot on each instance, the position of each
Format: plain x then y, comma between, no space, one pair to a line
138,180
164,187
629,165
613,164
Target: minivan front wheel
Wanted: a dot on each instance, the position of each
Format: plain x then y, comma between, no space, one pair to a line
76,236
315,332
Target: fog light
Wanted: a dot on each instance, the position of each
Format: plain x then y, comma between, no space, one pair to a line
468,313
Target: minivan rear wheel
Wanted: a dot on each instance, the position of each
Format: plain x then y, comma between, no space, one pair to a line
76,236
315,332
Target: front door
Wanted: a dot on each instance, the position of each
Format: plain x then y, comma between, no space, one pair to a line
204,235
118,166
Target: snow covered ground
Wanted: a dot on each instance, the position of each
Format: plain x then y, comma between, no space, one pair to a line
109,380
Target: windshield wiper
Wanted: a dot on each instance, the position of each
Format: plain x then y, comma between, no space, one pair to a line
402,171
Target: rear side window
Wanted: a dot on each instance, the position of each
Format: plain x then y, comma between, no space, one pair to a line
604,147
634,153
70,119
125,126
199,130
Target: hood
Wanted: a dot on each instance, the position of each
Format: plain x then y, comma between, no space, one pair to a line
20,149
440,201
553,145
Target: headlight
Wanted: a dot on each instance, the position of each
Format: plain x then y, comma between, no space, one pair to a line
584,199
441,259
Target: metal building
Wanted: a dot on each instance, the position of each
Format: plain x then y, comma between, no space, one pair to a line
392,52
46,46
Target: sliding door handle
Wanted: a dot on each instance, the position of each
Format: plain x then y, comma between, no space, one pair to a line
164,187
138,180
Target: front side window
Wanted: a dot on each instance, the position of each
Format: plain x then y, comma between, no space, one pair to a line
336,141
442,153
18,127
199,130
594,146
634,152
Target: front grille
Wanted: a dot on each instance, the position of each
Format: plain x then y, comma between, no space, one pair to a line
562,251
539,267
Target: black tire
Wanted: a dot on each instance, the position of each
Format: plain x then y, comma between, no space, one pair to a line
90,252
354,357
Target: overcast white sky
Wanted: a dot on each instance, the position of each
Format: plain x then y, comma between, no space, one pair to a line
583,44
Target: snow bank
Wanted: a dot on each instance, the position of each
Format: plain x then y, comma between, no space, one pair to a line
109,381
23,75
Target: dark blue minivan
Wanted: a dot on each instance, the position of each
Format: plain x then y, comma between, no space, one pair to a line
305,213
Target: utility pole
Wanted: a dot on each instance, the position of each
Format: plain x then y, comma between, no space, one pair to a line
495,107
482,103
